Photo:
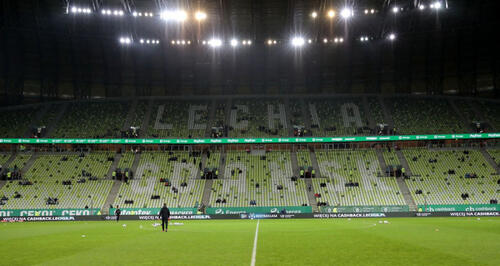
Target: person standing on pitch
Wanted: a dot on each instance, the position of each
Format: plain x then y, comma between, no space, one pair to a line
117,213
164,215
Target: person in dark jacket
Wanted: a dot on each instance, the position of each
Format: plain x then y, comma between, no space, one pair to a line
117,213
164,215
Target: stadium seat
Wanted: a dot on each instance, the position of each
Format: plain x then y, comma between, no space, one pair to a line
441,177
256,176
340,167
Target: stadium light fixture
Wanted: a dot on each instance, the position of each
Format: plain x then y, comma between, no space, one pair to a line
214,42
347,13
234,42
174,15
314,14
395,10
325,40
125,40
364,38
372,11
392,36
421,7
331,13
79,10
436,5
200,15
298,41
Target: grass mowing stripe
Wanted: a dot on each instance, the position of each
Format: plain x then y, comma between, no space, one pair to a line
254,252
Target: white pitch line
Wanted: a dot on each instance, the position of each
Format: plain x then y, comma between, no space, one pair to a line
254,252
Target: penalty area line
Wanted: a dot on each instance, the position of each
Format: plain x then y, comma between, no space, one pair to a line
254,252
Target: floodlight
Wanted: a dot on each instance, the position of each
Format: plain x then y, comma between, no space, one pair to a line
298,41
346,13
392,36
134,14
395,10
176,15
125,40
199,15
325,40
234,42
314,14
331,13
372,11
421,7
366,11
73,10
269,42
215,42
142,41
436,5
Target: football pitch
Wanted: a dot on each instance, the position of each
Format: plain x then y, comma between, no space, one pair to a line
400,241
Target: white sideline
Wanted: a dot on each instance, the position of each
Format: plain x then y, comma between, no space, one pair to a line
254,252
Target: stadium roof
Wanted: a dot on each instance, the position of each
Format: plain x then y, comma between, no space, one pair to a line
113,48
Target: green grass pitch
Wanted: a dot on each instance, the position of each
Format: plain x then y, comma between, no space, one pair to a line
402,241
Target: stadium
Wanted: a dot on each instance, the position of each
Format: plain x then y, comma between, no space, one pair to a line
298,132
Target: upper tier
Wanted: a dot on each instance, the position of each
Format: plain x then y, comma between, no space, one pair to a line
253,116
